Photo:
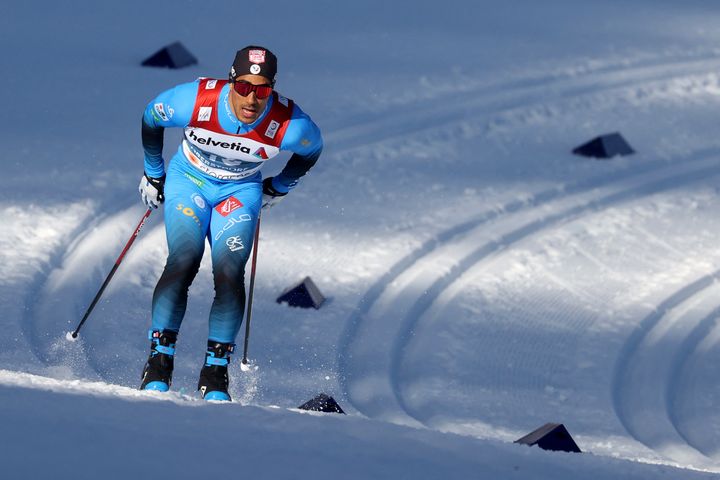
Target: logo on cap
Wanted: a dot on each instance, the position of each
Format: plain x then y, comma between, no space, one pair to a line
254,68
256,56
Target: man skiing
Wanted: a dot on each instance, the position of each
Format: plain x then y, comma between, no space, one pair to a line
213,190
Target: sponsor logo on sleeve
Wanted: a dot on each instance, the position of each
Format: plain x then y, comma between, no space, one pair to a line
256,56
272,129
160,110
228,206
305,142
283,100
204,114
210,84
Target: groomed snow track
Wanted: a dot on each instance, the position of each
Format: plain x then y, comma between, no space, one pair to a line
651,382
657,411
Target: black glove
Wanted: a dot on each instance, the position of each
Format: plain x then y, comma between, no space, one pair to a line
270,196
152,190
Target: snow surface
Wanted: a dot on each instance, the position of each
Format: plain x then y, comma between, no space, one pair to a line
482,280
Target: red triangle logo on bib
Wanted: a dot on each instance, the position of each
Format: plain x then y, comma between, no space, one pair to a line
261,153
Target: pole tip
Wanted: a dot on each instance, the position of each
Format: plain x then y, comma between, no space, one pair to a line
71,336
248,367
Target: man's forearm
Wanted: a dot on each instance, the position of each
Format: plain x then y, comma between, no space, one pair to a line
152,142
296,167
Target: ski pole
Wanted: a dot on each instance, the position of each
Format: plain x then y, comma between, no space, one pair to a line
251,290
112,272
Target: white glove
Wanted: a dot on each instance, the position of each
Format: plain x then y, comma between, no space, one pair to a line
152,190
271,197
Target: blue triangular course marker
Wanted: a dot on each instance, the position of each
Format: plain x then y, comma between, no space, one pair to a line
551,436
605,146
304,295
174,55
322,403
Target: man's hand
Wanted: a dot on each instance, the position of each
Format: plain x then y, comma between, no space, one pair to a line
270,195
152,190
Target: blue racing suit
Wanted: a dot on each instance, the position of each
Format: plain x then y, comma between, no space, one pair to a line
213,191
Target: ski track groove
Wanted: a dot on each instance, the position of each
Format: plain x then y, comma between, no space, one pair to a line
55,351
423,107
28,322
425,300
497,247
484,100
441,238
673,392
624,390
374,293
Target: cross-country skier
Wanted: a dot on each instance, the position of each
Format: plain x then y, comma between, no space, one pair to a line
213,191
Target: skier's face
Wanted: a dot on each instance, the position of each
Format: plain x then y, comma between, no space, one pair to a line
248,108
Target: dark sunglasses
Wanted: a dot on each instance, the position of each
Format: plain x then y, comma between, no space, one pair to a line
244,89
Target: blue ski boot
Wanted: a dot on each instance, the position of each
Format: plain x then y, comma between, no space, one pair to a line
213,384
157,374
